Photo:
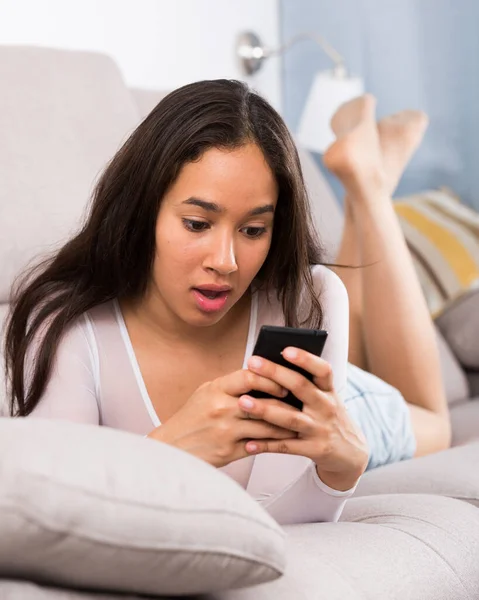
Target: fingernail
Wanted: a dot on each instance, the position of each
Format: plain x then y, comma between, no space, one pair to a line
252,447
290,353
284,392
246,402
255,362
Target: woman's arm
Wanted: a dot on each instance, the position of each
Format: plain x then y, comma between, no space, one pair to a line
71,392
287,485
306,499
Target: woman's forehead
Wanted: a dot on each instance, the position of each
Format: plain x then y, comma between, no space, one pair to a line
226,177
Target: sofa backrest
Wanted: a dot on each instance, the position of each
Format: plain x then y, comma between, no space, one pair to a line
62,117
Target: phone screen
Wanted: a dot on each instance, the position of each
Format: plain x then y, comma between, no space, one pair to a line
273,340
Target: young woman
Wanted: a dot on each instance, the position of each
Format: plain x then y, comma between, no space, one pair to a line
199,233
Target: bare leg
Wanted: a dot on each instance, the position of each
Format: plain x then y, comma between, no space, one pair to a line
398,336
399,136
349,254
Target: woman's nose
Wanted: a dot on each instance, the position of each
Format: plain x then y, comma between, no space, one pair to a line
222,256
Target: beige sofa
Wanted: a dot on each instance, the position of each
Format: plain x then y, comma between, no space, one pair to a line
412,531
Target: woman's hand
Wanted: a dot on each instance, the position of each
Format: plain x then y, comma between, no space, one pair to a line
325,433
211,425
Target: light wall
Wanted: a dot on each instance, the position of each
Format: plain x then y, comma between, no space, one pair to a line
158,44
419,54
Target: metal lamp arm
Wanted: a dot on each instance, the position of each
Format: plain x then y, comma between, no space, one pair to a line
333,54
252,52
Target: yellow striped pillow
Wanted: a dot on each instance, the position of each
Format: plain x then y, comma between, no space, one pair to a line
443,237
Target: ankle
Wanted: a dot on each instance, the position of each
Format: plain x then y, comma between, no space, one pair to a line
366,198
365,183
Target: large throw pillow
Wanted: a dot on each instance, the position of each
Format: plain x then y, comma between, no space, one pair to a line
95,508
443,237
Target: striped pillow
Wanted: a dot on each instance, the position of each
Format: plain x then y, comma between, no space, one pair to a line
443,237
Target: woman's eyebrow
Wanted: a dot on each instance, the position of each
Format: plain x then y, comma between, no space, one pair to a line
204,204
261,210
213,207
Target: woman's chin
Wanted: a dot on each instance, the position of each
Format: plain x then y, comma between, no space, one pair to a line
204,319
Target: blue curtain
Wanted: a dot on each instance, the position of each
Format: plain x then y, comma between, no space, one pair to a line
421,54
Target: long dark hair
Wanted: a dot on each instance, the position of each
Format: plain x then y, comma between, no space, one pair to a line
112,255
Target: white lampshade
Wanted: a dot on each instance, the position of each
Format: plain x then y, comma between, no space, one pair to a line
327,94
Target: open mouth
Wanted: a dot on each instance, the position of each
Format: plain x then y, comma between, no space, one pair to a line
210,300
210,294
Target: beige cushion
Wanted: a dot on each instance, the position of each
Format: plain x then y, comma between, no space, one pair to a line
385,547
92,507
26,590
453,473
146,100
62,117
465,422
473,378
459,324
327,214
455,380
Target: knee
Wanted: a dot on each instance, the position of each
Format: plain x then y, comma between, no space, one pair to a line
445,431
432,432
443,428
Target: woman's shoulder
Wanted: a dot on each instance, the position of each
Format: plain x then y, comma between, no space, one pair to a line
327,283
102,315
328,289
323,275
82,333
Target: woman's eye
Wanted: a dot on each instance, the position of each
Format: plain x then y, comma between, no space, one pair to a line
196,226
254,232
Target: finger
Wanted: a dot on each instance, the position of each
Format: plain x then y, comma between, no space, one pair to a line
244,415
244,381
292,446
302,388
259,430
240,451
318,367
278,413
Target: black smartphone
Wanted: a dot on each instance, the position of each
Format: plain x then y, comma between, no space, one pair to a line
273,340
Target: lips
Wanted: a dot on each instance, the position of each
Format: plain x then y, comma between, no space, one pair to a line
211,299
210,293
213,288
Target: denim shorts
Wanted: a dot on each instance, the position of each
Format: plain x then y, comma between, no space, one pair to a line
382,414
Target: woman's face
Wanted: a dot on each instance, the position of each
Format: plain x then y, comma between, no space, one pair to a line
213,233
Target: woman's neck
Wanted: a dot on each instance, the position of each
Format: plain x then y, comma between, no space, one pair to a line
153,314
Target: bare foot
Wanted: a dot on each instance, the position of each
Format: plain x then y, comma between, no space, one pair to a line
356,155
400,135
